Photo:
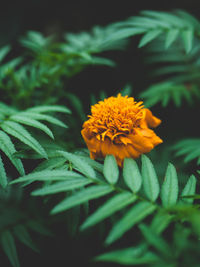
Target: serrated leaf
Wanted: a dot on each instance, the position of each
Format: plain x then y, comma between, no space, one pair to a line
188,36
150,180
131,174
53,108
155,240
136,214
149,36
81,197
70,184
189,189
111,206
80,164
169,189
110,169
3,177
33,123
8,244
171,37
8,148
19,132
23,235
47,175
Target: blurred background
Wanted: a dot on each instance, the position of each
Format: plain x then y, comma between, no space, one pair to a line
58,17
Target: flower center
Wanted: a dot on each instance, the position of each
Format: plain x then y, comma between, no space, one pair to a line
114,117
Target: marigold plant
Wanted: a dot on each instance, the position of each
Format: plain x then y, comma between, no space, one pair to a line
120,126
143,212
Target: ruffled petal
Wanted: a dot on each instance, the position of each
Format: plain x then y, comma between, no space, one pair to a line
144,140
151,120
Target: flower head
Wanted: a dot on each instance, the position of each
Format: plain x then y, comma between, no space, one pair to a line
120,126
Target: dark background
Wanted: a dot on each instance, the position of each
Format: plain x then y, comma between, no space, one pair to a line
57,17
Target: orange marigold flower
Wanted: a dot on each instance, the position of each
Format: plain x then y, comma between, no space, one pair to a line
120,126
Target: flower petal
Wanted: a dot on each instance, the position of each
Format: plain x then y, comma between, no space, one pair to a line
151,120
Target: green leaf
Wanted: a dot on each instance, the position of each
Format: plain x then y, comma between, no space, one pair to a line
176,95
4,51
44,117
8,244
47,175
131,174
192,155
38,228
3,177
136,214
114,204
94,164
79,163
77,104
70,184
19,132
167,17
8,148
187,36
102,61
31,122
150,180
149,36
53,108
7,110
110,169
81,197
124,33
171,37
189,189
50,164
189,147
160,221
169,189
23,235
129,256
155,240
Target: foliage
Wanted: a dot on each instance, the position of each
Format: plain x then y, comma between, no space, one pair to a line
190,148
147,212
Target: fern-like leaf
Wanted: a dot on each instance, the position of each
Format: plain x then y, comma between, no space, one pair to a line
113,205
81,197
8,148
23,235
190,148
31,122
68,185
19,132
48,175
54,108
8,244
3,177
135,214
